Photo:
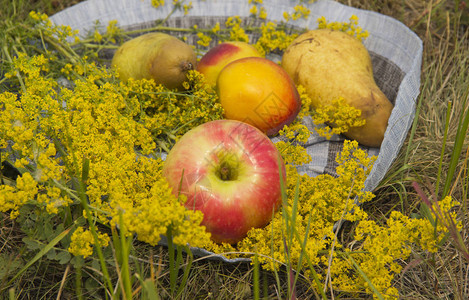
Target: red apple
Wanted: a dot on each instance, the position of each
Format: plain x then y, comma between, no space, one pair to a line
222,54
230,171
258,91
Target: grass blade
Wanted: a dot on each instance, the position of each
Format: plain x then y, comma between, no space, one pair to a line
445,137
415,121
41,253
458,145
256,278
187,269
11,293
125,245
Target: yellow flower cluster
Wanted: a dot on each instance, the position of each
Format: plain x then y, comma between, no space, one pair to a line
292,150
339,115
168,114
259,12
383,246
204,40
98,132
187,8
61,32
111,32
237,32
82,242
350,27
39,16
97,37
157,3
216,28
273,38
13,198
297,134
53,199
305,100
158,210
299,11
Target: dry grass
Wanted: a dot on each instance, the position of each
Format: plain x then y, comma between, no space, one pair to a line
444,79
444,28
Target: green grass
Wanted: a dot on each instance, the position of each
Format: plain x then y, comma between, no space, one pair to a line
435,156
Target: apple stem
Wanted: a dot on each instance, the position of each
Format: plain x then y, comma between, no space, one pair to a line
225,171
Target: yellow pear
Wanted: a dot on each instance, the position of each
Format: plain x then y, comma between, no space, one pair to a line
332,64
158,56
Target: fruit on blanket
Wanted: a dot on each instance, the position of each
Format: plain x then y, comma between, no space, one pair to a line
219,56
230,171
258,91
332,64
158,56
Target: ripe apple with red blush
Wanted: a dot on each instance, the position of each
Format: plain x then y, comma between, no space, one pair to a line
231,172
222,54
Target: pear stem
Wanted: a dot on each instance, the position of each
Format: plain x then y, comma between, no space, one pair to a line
186,66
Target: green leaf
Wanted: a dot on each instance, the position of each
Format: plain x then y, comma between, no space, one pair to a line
427,214
41,253
51,254
150,290
47,230
8,264
95,264
91,285
77,262
63,257
31,244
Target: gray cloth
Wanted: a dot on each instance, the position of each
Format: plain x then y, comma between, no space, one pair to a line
396,54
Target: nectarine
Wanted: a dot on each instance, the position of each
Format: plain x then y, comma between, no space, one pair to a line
259,92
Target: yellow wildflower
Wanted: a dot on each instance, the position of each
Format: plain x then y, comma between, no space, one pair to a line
204,40
97,37
82,242
187,8
350,27
253,10
299,11
13,198
216,28
273,38
112,31
237,33
340,115
263,13
157,3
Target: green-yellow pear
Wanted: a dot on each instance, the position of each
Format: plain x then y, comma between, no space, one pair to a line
332,64
158,56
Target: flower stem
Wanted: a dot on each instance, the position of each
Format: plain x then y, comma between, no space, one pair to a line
84,202
10,60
